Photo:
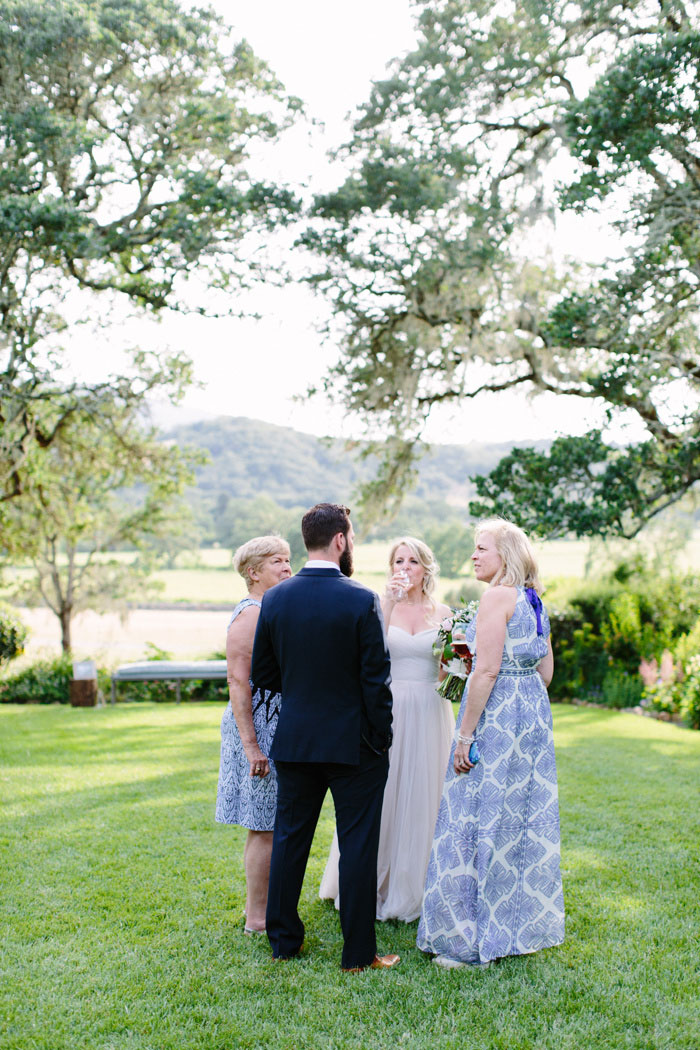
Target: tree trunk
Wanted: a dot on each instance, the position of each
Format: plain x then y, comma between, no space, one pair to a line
65,617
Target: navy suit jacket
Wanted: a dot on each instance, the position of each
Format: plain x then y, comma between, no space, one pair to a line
320,642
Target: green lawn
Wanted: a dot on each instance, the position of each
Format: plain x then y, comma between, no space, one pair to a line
121,907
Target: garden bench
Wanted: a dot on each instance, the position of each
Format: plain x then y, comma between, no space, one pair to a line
168,671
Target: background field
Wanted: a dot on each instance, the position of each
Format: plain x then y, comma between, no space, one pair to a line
207,578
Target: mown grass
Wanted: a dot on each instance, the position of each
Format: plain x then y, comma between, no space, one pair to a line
121,908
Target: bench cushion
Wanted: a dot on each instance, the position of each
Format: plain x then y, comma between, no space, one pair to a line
170,670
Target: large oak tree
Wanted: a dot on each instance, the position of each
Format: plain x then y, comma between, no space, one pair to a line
431,247
125,135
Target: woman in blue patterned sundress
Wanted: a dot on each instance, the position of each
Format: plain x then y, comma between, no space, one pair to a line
493,886
247,790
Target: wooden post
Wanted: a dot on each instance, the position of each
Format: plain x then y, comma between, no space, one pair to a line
83,692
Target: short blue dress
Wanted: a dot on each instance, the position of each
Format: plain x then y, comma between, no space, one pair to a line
493,886
241,799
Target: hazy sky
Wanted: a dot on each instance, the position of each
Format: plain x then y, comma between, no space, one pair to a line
327,54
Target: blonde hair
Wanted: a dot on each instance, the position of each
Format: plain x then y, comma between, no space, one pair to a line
427,559
250,556
519,568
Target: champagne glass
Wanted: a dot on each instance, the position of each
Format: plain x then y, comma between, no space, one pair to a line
402,585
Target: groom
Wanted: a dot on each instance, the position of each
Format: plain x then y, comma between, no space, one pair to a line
320,641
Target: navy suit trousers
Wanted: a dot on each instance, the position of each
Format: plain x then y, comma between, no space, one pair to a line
358,792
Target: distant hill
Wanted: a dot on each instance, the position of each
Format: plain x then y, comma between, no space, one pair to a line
250,458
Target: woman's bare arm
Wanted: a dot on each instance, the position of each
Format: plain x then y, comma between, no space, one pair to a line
239,651
546,664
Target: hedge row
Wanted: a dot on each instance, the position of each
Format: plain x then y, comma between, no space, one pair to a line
47,682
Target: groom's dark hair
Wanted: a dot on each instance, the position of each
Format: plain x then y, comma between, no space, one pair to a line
324,521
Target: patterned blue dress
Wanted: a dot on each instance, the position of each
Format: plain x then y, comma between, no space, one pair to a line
493,886
240,798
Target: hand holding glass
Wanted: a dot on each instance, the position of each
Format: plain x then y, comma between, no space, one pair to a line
399,584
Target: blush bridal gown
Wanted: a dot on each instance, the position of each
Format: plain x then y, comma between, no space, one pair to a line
423,729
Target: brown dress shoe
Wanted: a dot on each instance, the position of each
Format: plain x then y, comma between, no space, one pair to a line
379,962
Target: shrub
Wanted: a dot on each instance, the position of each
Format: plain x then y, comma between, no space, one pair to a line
688,645
166,692
13,634
673,685
690,693
628,634
47,682
661,680
43,682
663,697
580,659
621,689
608,627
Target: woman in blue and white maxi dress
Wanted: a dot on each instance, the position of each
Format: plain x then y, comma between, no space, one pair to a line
493,885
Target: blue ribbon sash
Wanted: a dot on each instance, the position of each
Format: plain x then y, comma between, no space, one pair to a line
536,603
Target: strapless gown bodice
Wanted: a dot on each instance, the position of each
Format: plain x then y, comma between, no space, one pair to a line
412,656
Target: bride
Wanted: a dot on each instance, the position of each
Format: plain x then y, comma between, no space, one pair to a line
423,729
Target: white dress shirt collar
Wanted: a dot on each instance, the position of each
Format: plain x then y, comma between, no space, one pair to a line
318,563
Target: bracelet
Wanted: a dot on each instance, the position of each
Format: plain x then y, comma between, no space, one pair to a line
464,739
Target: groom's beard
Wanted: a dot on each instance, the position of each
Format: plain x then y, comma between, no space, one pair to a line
345,562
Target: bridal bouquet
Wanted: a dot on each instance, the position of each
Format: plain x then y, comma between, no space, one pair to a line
458,668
